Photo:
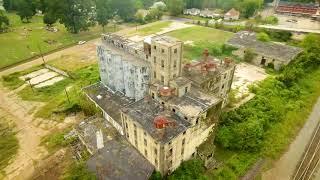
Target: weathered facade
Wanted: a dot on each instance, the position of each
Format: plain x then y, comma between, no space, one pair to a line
163,109
121,72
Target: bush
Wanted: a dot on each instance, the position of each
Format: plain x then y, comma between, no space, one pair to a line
192,169
262,36
271,20
248,55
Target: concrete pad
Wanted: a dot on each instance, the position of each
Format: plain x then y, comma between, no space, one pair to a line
49,82
245,75
43,77
34,74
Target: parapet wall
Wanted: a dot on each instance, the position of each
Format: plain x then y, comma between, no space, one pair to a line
124,44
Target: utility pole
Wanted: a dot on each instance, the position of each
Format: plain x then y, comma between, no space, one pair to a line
65,90
28,80
41,54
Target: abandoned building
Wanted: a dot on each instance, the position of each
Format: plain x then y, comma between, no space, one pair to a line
164,109
266,53
297,8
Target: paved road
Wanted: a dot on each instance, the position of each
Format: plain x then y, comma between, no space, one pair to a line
284,168
289,29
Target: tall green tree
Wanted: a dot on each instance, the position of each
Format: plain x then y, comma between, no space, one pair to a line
75,15
124,8
4,22
249,7
175,7
104,12
26,9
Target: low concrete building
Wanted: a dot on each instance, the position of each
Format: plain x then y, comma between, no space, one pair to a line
266,53
232,15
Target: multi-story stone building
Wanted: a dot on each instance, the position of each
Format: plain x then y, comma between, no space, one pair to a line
163,109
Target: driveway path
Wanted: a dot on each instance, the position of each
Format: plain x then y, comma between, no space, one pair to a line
284,168
28,134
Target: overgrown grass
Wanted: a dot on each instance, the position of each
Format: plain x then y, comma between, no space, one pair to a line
56,141
200,38
149,29
12,81
8,142
24,39
64,97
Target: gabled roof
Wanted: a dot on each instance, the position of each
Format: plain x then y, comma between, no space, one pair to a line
232,12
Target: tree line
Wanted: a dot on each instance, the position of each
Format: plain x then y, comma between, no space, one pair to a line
77,15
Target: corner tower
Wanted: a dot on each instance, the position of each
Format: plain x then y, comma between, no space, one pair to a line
166,59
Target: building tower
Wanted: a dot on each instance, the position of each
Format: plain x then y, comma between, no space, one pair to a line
166,59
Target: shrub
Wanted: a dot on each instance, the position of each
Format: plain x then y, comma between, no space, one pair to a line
262,36
248,55
271,20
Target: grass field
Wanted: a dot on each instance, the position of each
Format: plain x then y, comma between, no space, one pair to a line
24,39
198,38
149,28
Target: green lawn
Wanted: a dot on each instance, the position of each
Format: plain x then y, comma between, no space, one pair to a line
24,38
149,28
199,33
198,38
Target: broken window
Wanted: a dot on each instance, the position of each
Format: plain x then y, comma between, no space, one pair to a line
154,59
184,132
175,63
175,51
155,151
162,63
183,141
145,142
186,89
155,47
162,50
152,96
173,110
154,74
145,152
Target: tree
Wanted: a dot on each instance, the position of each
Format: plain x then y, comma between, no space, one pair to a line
49,19
104,12
75,15
10,4
124,8
175,7
154,14
4,22
26,9
249,7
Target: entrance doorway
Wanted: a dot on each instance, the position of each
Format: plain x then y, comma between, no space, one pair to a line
263,61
